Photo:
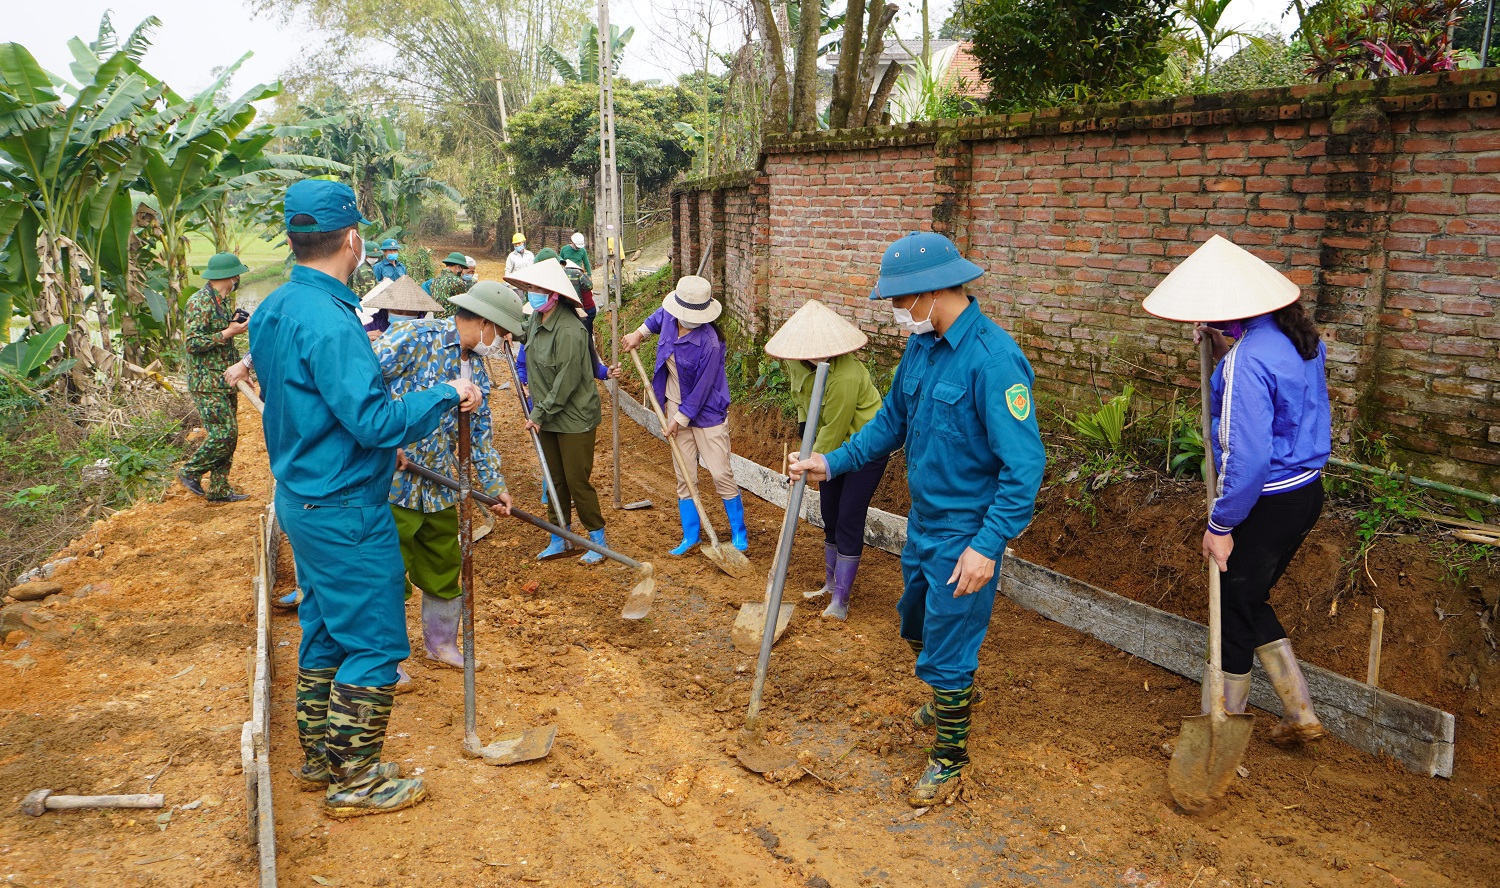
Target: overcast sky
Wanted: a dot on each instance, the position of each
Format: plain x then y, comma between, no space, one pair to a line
196,35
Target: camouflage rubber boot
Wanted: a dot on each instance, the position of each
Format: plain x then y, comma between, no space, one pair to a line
916,646
357,721
926,714
313,686
950,751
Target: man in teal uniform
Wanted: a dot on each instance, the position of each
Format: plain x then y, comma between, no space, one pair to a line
332,430
389,267
961,406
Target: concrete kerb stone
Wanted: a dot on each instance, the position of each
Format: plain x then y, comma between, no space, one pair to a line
1421,737
255,735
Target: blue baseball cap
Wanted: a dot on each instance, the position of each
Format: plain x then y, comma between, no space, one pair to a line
921,262
331,204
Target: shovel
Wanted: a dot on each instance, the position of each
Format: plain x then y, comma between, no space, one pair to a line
726,558
771,610
639,602
526,745
1210,747
541,457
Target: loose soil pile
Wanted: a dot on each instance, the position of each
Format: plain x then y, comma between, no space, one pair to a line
1068,784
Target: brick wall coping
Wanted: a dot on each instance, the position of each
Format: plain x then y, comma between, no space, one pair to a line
742,179
1475,88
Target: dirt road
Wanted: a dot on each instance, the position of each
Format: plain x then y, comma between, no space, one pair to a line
1068,782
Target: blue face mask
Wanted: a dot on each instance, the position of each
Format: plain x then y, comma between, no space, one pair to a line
520,248
537,300
468,277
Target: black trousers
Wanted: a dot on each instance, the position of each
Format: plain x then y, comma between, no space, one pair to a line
1264,545
845,501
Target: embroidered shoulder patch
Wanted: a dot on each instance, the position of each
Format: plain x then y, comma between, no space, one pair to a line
1018,399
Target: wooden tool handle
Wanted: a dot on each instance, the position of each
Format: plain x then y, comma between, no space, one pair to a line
138,800
251,396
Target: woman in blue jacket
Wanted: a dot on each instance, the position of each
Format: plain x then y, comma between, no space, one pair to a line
1271,439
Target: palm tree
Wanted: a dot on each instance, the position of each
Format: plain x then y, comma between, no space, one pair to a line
1204,16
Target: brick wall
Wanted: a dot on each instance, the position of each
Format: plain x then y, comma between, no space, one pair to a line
1380,198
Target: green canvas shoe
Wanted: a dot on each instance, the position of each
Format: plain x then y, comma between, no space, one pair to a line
950,751
357,722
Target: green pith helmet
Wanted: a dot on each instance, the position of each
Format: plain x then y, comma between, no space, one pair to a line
372,250
496,302
223,265
546,253
458,259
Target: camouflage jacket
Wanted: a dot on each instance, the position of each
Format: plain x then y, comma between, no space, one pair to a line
363,280
445,285
208,357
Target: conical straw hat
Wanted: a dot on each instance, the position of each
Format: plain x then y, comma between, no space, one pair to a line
1220,282
401,294
546,276
815,331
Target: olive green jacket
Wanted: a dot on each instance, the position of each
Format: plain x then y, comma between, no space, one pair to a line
560,373
850,399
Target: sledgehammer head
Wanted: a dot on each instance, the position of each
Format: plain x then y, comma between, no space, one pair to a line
35,803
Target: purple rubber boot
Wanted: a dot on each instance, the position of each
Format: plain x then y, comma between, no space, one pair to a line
844,569
830,558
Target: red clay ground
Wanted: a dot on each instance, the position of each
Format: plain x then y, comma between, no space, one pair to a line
1068,782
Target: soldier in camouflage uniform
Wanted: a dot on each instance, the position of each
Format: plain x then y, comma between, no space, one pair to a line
450,282
210,328
363,279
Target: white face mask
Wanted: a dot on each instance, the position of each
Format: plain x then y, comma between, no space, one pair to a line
906,322
486,350
371,259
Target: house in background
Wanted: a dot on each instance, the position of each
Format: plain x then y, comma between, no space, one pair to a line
954,71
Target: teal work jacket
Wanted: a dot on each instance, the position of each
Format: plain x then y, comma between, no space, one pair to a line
331,426
961,406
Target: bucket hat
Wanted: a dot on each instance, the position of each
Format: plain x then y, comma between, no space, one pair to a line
921,262
815,332
546,276
389,244
495,302
401,294
693,301
372,249
517,238
456,258
223,265
1220,282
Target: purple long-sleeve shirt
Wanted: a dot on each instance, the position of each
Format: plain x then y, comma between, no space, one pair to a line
699,355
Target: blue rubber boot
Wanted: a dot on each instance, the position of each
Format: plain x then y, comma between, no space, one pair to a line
690,527
592,557
735,509
554,549
289,601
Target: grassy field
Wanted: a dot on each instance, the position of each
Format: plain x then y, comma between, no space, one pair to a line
259,254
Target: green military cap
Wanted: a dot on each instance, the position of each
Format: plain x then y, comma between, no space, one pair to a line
372,249
458,259
223,265
495,302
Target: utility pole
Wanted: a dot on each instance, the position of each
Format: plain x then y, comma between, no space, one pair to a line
1484,44
609,218
510,170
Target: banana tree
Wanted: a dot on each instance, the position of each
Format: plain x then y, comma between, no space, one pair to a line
252,183
587,69
67,152
182,168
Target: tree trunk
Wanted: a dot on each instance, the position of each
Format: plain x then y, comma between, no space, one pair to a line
874,115
805,76
846,78
876,24
780,111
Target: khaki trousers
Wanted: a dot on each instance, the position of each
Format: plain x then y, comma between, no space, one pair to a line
712,445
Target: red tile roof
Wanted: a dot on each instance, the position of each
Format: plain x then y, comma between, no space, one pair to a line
963,73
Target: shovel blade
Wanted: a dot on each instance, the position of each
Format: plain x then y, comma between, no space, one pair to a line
1204,761
638,603
728,559
639,504
761,757
750,626
528,745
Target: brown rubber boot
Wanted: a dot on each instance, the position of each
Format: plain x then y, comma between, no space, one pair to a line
1299,724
